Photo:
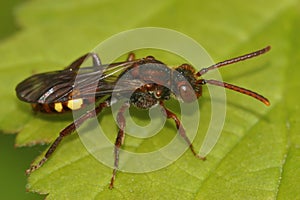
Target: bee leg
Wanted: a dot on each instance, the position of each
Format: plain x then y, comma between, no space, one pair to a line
74,66
180,129
119,141
131,57
67,131
96,59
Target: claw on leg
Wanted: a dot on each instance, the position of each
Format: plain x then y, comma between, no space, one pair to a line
35,167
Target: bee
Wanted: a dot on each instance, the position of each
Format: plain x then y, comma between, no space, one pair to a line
148,81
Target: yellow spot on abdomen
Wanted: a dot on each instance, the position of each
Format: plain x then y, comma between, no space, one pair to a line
75,104
58,107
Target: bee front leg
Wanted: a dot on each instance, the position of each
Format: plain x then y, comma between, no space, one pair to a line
180,129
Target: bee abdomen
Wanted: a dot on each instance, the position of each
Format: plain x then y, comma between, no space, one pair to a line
59,107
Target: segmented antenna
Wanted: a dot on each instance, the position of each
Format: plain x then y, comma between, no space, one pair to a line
234,60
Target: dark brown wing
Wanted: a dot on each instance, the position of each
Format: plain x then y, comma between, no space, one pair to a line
60,86
44,87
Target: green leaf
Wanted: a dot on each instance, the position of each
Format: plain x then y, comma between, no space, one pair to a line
257,155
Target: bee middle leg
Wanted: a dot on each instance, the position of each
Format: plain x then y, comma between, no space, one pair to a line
119,141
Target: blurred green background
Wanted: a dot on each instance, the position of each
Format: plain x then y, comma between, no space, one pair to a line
14,161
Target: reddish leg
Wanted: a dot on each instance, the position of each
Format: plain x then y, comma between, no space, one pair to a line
131,57
67,131
119,141
180,129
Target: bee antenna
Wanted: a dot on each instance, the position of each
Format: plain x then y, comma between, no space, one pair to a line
237,89
234,60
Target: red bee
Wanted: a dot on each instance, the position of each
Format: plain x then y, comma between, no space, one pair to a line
148,81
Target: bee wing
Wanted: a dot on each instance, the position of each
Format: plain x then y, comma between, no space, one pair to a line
37,88
107,88
60,86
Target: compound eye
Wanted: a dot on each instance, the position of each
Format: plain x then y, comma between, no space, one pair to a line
187,93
